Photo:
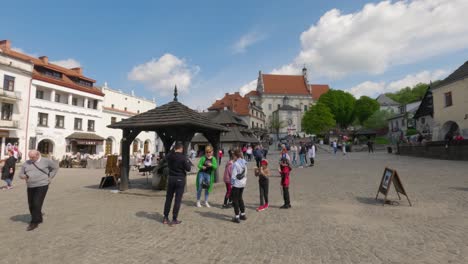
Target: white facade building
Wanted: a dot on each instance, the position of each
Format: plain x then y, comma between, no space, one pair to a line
15,80
118,106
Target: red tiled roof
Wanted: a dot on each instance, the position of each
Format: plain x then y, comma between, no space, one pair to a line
318,90
285,84
234,102
65,81
252,93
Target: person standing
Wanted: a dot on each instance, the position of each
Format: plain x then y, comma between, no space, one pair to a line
285,170
302,155
220,155
335,147
8,170
258,155
227,181
263,173
178,165
249,152
238,181
370,146
148,162
294,154
38,173
343,148
205,177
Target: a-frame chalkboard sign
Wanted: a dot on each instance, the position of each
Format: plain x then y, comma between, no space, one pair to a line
391,176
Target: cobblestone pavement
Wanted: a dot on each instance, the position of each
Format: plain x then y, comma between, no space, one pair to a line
334,219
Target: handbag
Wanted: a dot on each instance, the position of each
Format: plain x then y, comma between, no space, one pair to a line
205,184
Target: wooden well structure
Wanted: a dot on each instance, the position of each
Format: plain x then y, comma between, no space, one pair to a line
172,122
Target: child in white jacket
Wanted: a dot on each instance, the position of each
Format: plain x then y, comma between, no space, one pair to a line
238,181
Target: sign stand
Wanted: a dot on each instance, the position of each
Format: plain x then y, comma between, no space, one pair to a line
391,176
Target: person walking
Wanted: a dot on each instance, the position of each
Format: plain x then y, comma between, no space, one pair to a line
302,155
343,148
206,174
258,155
238,181
148,162
370,146
38,173
311,153
227,180
220,155
335,147
249,153
8,170
178,165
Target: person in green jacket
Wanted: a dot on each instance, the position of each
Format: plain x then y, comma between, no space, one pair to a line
206,175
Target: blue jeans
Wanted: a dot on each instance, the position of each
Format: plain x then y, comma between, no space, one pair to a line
302,157
203,176
8,182
294,162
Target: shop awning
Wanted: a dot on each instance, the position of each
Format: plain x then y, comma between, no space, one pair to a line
86,138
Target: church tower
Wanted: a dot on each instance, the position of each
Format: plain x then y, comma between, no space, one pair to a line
260,87
304,73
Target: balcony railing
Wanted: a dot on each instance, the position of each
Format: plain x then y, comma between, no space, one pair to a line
10,94
9,123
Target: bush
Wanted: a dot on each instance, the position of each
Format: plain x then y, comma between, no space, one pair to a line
411,131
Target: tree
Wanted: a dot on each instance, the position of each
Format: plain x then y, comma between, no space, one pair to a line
364,108
409,95
318,119
379,119
276,124
341,105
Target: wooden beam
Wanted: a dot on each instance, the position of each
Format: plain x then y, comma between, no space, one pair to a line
128,135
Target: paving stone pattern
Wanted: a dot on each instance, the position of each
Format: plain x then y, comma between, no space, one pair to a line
334,219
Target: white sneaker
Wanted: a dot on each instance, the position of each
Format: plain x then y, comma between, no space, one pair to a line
207,204
198,204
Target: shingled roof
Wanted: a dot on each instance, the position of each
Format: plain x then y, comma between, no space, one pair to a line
459,74
427,106
168,115
225,117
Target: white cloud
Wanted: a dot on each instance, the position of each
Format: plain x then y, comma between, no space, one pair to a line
68,63
381,35
251,86
20,50
163,74
373,89
246,41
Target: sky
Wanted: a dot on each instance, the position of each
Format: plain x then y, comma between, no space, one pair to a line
209,48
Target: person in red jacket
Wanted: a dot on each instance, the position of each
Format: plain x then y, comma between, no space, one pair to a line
285,170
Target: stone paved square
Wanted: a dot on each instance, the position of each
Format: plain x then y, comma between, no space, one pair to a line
334,219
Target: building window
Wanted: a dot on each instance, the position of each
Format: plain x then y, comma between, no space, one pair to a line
39,94
279,106
57,98
78,124
90,125
112,105
305,108
269,106
9,83
138,111
42,119
59,121
448,99
423,120
95,104
7,111
253,125
402,123
113,120
74,101
254,103
125,108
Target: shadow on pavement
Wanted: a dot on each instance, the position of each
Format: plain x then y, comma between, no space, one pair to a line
369,200
459,188
25,218
214,215
152,216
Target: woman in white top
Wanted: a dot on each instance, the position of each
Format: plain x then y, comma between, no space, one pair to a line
311,154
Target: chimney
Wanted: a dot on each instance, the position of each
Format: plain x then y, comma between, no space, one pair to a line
226,94
5,44
44,59
78,70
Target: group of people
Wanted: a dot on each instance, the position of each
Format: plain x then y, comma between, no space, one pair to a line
235,179
302,155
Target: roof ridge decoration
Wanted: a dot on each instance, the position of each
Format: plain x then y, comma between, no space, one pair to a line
175,94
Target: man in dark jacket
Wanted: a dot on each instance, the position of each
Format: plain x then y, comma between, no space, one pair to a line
178,165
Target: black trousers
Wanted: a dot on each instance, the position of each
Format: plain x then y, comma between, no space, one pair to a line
237,200
312,161
286,196
258,162
36,196
263,187
175,185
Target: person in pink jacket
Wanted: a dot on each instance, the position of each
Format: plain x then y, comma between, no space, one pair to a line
227,180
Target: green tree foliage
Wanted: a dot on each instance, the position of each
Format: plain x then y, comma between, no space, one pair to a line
318,119
409,95
365,107
341,105
378,119
276,124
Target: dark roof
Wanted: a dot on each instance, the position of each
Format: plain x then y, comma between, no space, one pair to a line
84,136
289,108
384,100
169,115
234,135
225,117
364,132
427,105
458,74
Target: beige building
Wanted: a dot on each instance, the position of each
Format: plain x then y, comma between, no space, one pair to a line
450,99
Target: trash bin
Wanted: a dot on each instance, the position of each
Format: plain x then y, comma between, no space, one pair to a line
389,150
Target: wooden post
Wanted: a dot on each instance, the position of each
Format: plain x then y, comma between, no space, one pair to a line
127,139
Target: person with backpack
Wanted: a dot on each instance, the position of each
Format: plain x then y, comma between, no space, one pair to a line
238,181
206,175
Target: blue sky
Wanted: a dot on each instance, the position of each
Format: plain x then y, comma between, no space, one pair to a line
208,48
